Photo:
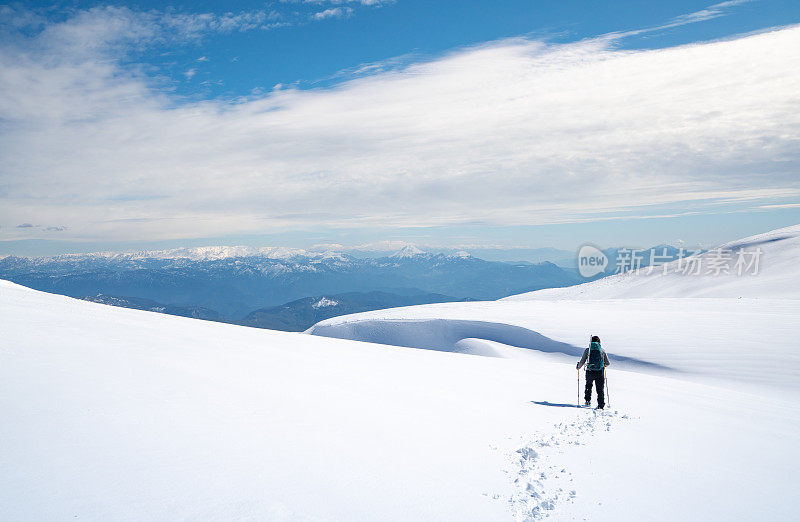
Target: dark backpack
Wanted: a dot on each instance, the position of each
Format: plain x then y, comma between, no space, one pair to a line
596,361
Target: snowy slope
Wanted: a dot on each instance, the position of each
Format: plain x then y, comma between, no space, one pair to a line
666,334
122,414
118,414
750,341
777,274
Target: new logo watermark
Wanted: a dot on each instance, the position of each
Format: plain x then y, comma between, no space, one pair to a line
591,261
719,261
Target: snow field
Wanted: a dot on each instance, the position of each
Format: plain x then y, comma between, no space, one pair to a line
119,414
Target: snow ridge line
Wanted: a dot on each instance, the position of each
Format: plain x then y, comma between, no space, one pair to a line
444,334
539,484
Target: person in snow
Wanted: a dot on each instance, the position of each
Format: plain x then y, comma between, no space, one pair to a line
596,360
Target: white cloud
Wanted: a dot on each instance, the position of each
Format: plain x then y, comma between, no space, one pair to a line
367,3
709,13
785,205
109,28
386,245
333,12
512,132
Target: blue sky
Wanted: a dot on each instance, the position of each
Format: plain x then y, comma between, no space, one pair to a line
289,47
512,123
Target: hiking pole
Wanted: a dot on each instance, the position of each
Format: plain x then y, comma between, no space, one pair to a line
608,394
579,387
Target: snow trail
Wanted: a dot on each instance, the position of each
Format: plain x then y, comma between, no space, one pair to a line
541,482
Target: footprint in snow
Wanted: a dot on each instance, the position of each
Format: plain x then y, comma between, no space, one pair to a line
537,494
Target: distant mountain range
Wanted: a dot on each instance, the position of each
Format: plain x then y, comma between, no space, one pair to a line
233,282
303,313
294,316
196,312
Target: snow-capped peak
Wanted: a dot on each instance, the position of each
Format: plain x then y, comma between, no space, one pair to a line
407,251
208,253
324,302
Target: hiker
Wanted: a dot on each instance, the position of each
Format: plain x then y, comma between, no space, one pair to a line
596,360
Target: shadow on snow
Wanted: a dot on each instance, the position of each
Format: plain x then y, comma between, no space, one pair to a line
556,404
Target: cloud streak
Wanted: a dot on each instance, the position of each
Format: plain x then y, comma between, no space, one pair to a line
709,13
333,12
513,132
